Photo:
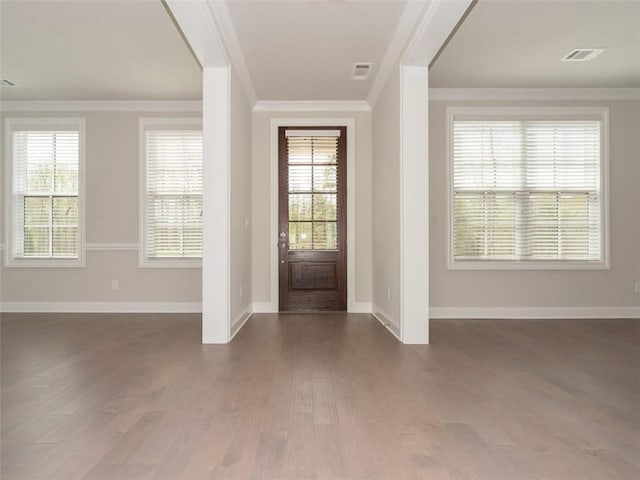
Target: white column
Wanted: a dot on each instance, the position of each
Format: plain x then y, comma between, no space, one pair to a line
216,320
414,204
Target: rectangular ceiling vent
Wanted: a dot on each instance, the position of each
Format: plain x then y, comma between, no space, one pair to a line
6,83
361,71
582,54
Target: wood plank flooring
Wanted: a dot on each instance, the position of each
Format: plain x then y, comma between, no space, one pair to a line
330,396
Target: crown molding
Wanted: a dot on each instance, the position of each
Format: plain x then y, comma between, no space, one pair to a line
312,106
102,106
469,94
410,18
222,18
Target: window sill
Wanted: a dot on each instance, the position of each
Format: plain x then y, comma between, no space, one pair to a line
170,263
44,262
526,265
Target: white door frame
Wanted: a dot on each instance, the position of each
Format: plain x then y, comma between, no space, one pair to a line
352,306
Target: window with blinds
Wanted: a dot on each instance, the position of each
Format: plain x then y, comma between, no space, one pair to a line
527,189
312,166
172,202
44,221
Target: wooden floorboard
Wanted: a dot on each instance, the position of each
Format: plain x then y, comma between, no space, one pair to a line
330,396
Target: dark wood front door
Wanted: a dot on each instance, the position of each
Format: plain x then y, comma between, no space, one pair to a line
312,239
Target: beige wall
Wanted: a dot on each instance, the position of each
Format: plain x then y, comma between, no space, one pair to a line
112,218
261,201
240,214
386,201
577,288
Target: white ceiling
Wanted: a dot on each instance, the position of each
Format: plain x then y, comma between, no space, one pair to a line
304,49
94,50
519,43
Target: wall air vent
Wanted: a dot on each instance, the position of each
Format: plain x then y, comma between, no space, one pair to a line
361,71
582,54
6,83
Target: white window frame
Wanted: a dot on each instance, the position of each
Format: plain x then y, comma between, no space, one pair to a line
48,123
531,113
144,124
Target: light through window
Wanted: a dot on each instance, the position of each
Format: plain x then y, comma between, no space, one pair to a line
45,184
172,191
527,190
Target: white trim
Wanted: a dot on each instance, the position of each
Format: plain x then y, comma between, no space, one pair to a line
414,205
102,106
216,217
312,106
239,322
264,307
227,33
542,313
528,94
434,28
198,27
544,112
145,124
387,321
78,123
101,307
111,247
360,307
312,133
411,16
351,196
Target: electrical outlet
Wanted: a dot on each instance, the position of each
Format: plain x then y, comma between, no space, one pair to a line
241,292
246,222
389,293
637,287
115,285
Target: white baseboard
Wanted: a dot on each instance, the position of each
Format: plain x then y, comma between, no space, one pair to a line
542,313
101,307
386,320
239,322
359,307
264,307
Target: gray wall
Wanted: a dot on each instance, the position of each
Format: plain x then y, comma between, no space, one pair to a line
386,201
575,288
240,209
111,218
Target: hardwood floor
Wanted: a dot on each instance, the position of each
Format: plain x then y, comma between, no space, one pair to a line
329,396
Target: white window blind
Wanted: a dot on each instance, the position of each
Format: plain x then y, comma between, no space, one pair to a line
527,190
45,203
173,193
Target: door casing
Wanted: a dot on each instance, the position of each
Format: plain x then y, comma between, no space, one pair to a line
352,305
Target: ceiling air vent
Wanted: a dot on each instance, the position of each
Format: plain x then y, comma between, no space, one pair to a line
582,54
6,83
361,71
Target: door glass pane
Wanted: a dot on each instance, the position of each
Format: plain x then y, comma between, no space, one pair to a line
325,206
325,150
325,178
300,178
300,235
300,206
325,236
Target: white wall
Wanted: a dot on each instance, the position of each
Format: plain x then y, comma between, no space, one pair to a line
261,201
112,219
452,291
240,215
386,202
